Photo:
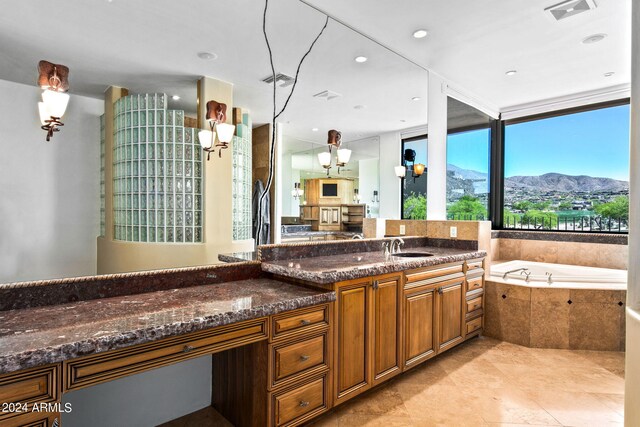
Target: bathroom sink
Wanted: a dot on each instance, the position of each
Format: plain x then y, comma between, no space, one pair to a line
412,255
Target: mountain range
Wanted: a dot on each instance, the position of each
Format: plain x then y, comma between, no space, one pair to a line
547,182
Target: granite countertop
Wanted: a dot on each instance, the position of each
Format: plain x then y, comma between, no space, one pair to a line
238,256
37,336
347,234
336,268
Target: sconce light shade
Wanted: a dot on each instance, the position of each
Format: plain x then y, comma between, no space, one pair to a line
325,159
401,171
225,132
418,169
44,113
206,138
344,155
55,102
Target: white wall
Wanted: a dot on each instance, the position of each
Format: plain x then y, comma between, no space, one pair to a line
143,400
632,370
390,156
437,149
49,191
368,181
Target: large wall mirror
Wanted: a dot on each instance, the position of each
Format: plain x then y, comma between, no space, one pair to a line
50,226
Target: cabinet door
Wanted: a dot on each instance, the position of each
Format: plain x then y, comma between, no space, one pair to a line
419,315
451,314
325,217
387,344
335,216
352,358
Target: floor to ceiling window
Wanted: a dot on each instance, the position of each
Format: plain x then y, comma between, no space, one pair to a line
568,171
414,188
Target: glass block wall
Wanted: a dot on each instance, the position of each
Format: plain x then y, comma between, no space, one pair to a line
157,171
102,202
241,170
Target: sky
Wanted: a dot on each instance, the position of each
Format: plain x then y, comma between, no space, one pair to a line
594,143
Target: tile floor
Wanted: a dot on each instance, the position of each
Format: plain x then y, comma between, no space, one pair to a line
485,382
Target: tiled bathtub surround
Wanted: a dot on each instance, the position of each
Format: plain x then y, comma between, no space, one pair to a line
51,334
555,318
605,255
22,295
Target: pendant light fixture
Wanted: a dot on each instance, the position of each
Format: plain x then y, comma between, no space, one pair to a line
54,79
216,116
343,155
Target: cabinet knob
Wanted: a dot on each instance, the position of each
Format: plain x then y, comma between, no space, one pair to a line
187,348
303,403
304,358
440,291
305,322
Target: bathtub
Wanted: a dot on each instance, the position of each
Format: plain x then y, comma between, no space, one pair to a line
583,308
562,276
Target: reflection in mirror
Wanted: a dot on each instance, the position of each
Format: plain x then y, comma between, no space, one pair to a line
468,142
52,223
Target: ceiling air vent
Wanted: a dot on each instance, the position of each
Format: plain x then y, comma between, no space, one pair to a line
282,80
569,8
327,94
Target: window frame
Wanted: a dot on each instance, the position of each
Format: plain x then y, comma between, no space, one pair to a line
402,186
497,163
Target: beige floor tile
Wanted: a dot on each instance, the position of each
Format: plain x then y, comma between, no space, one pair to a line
385,401
352,420
576,409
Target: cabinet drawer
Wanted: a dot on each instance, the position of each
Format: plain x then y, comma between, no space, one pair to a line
29,386
474,304
304,357
33,419
474,283
287,324
431,273
474,325
111,365
474,265
295,406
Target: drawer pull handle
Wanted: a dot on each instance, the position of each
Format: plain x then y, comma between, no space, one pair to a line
187,348
305,322
304,358
303,403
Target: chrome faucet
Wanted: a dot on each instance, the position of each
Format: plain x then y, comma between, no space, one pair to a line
523,269
526,278
395,244
357,236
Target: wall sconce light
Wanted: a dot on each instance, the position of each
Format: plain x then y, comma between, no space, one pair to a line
356,196
297,191
376,197
417,169
343,155
216,116
54,79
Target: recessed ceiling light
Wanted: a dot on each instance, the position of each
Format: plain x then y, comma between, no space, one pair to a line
594,38
207,55
314,130
360,59
416,98
511,72
402,120
420,34
175,97
358,107
609,74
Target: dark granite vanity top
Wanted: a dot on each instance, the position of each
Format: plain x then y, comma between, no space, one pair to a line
336,268
48,334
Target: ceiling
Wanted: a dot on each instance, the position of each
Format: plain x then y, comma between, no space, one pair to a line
473,43
152,45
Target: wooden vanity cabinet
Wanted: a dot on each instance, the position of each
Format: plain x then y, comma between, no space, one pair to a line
368,346
21,390
434,311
